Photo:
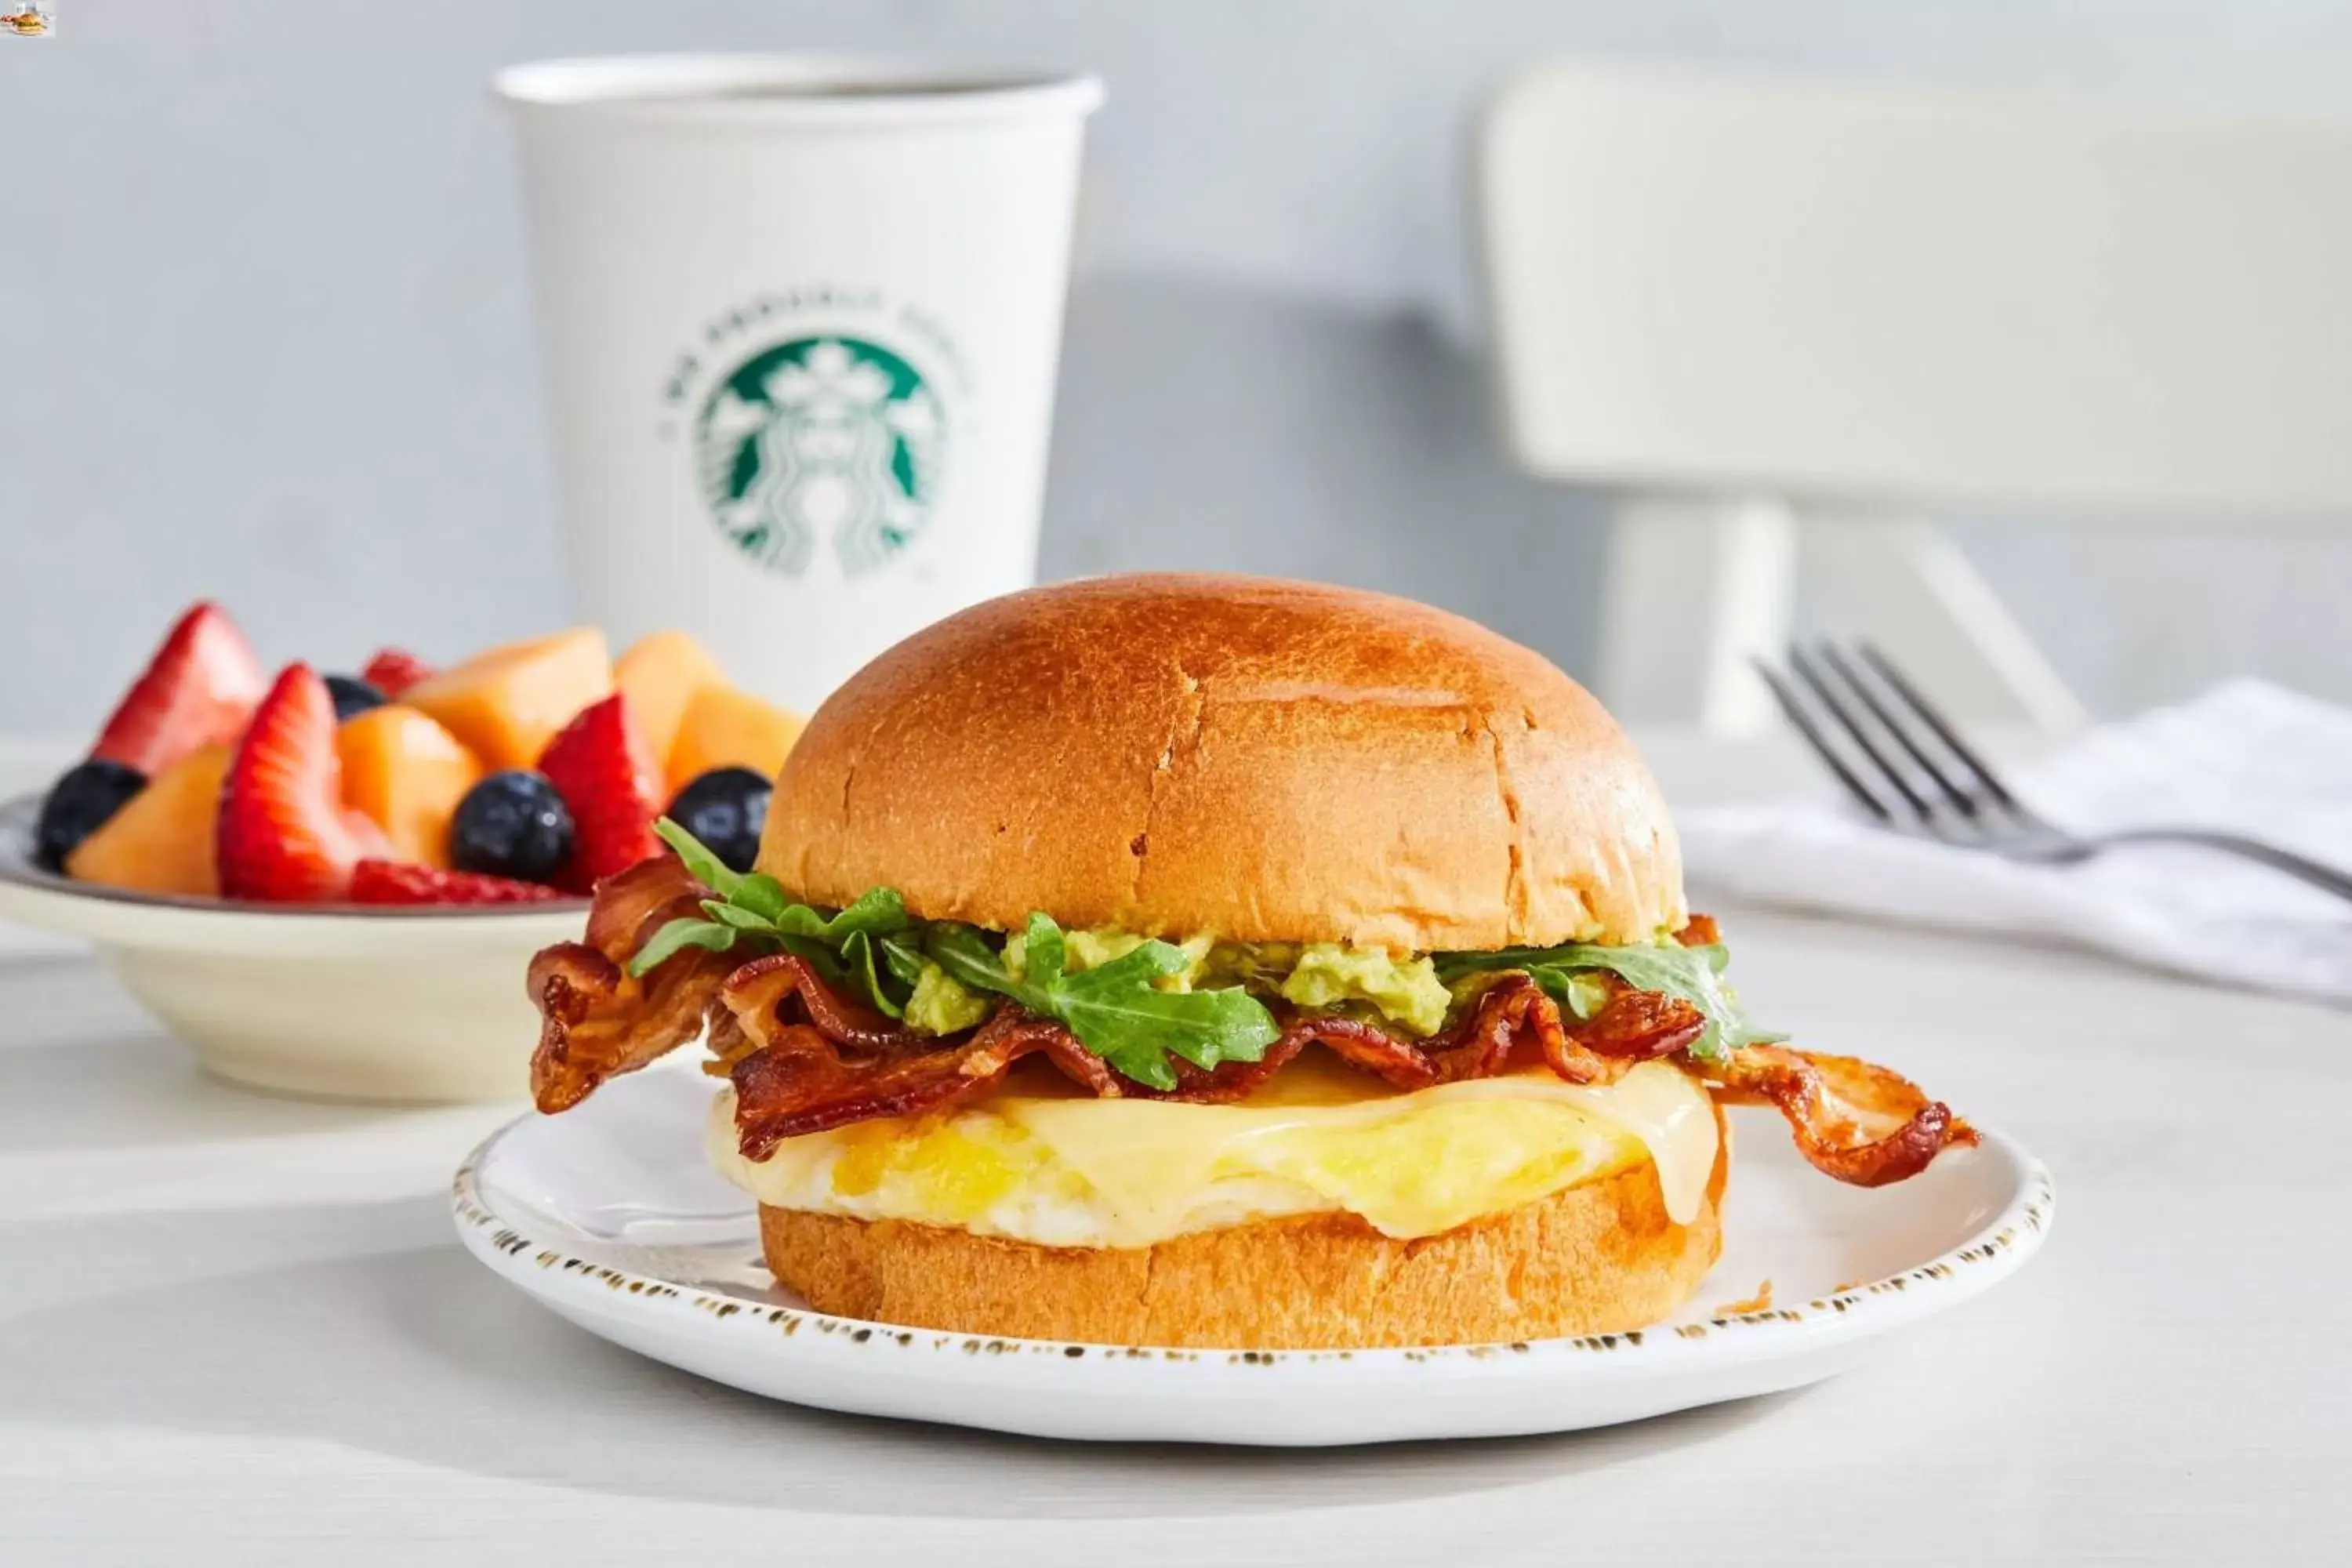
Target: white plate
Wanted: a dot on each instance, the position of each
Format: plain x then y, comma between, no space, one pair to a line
609,1215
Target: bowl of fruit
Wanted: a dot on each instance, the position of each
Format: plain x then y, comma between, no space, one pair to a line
331,885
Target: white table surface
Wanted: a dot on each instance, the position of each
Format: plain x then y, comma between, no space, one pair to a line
233,1328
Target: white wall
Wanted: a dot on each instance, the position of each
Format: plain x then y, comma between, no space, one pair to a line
263,335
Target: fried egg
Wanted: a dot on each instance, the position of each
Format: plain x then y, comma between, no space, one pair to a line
1040,1162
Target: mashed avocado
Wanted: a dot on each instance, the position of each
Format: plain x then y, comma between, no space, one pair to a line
1406,991
942,1004
1587,990
1094,948
1097,945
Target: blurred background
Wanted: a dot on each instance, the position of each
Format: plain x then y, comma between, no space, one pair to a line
265,333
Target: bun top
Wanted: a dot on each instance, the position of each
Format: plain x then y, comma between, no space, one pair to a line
1260,760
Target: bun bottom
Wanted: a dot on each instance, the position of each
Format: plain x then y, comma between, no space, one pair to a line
1595,1258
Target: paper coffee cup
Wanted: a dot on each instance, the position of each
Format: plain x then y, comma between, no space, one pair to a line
800,317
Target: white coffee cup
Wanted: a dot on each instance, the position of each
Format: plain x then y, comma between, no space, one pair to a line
801,317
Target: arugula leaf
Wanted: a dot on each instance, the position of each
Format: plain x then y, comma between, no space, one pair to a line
1046,952
753,907
965,955
679,935
857,957
888,966
741,920
1693,975
879,911
757,893
709,869
1114,1008
904,953
762,895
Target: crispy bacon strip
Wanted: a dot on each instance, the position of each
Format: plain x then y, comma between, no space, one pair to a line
1638,1026
1700,930
1227,1083
751,999
844,1022
1512,1011
595,1019
1368,1048
725,1040
1852,1120
1631,1027
1223,1084
798,1083
849,1023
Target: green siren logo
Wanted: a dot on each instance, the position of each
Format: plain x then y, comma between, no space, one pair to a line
828,440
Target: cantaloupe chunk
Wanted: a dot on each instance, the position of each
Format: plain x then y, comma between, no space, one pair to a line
727,728
661,672
162,841
406,773
505,703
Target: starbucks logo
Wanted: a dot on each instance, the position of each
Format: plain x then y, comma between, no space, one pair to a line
827,440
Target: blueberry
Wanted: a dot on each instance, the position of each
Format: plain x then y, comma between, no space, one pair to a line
353,696
726,808
512,824
78,804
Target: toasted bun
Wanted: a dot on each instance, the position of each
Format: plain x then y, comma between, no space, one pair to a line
1595,1258
1263,761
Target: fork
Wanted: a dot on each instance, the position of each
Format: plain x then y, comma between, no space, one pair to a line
1954,795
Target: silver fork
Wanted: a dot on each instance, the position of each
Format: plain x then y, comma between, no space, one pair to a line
1954,795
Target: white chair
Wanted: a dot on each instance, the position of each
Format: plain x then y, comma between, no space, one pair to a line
1782,322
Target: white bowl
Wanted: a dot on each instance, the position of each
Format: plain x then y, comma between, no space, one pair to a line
340,1001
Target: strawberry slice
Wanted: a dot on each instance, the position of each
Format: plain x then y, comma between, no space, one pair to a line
598,764
405,882
197,691
394,671
283,834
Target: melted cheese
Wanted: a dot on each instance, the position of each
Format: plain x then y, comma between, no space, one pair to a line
1038,1163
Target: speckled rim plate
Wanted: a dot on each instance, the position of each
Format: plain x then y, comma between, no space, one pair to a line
610,1216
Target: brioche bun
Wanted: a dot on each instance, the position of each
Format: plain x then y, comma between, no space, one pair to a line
1600,1258
1263,761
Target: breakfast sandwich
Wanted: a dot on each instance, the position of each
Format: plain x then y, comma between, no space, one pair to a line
1211,961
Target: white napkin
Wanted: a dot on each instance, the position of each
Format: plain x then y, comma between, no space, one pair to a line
2245,757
